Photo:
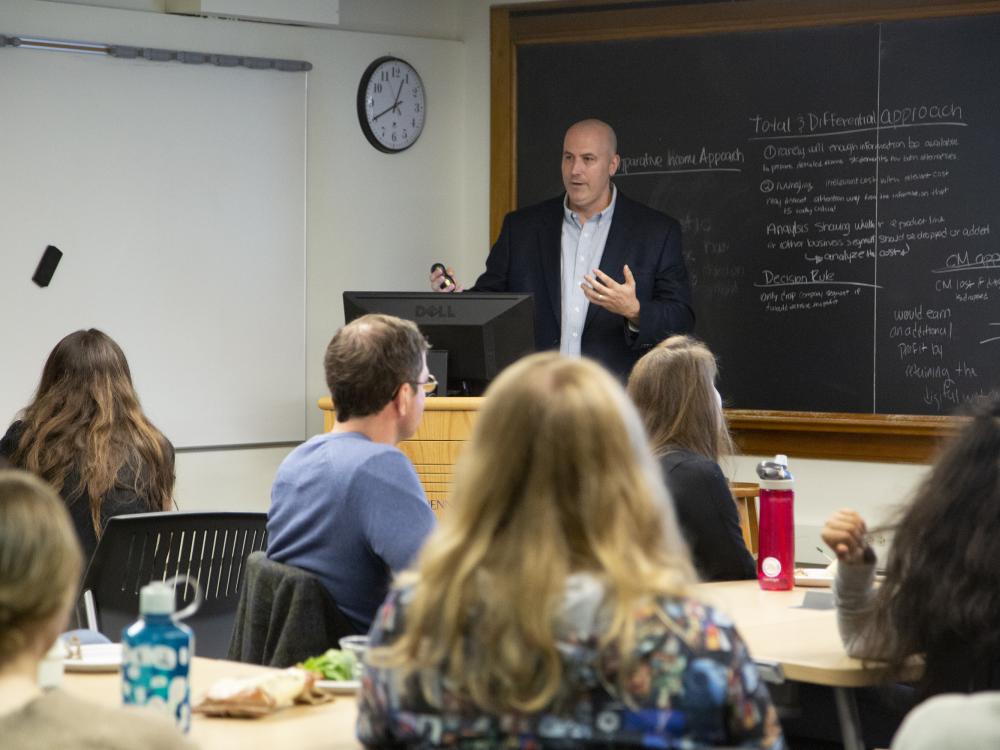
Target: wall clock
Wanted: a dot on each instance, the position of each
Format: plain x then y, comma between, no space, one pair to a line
391,104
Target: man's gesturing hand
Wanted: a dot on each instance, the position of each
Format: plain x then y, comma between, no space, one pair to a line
620,299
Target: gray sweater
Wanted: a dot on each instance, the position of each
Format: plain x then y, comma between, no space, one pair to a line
853,589
59,721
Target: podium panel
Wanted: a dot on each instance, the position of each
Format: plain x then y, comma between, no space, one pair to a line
437,444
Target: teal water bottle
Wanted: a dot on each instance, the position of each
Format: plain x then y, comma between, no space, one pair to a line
156,654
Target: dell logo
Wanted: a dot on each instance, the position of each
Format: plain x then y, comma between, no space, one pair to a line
434,311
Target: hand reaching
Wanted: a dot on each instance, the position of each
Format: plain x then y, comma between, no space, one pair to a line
844,532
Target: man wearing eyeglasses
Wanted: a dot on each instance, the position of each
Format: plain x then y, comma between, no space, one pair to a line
347,506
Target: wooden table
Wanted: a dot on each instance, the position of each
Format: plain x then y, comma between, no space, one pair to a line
786,641
328,725
792,643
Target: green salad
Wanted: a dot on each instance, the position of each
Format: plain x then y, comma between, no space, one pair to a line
333,665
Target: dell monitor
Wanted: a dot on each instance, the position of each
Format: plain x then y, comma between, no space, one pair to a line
482,332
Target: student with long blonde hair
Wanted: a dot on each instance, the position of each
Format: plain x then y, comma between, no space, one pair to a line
85,434
673,386
551,608
39,572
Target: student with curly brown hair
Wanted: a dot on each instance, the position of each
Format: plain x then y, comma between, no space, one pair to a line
85,434
940,596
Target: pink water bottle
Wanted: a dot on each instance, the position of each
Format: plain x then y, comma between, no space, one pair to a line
776,545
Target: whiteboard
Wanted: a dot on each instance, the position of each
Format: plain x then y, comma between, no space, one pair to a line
177,195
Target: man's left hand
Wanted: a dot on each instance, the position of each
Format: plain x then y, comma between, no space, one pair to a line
617,298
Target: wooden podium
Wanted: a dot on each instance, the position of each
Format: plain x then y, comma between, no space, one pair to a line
443,432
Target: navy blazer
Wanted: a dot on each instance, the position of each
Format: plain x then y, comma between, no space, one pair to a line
527,257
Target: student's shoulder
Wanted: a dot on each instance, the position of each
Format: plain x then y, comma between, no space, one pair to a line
350,446
702,626
355,453
378,453
10,439
347,454
60,720
685,462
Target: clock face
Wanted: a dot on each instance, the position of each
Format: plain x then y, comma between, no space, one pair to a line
391,104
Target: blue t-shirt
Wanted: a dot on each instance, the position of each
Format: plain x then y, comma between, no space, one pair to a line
351,512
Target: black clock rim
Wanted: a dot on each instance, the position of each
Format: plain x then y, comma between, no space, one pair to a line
363,120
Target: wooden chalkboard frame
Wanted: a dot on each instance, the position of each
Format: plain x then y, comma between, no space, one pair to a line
859,437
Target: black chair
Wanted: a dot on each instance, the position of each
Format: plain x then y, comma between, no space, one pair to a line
210,548
285,616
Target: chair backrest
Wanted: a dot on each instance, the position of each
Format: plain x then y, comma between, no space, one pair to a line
210,548
285,615
745,496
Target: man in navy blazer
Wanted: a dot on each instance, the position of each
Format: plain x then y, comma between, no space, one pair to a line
607,273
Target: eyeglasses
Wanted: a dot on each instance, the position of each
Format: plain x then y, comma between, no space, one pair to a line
429,386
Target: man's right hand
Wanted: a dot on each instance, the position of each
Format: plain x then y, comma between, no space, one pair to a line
444,281
844,532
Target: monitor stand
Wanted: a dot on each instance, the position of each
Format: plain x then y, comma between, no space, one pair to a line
437,365
467,387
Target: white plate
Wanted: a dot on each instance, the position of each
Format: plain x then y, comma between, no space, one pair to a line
97,657
813,577
343,687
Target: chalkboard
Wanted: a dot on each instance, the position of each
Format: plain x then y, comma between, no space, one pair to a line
837,189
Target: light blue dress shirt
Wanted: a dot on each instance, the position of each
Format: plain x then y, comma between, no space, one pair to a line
582,250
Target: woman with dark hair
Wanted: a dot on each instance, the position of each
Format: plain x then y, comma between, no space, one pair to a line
552,608
940,597
86,435
673,387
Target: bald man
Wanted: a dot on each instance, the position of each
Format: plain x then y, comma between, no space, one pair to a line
607,273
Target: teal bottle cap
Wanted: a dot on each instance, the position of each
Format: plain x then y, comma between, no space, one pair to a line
156,598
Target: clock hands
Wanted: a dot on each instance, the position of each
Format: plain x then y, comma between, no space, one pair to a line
384,111
395,103
377,97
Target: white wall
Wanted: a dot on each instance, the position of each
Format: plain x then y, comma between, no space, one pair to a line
377,221
373,221
823,486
